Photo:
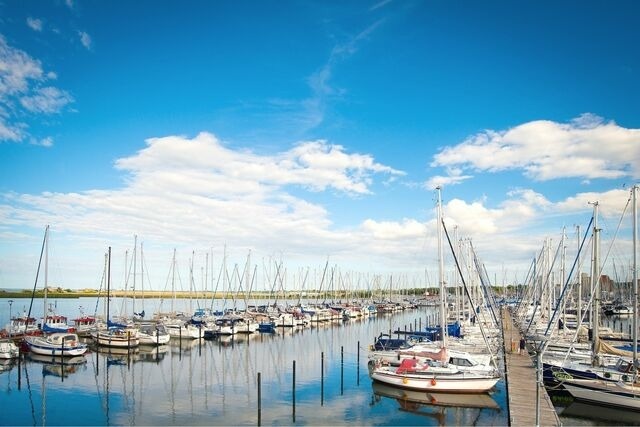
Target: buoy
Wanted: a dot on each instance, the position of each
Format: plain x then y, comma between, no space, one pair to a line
404,380
433,381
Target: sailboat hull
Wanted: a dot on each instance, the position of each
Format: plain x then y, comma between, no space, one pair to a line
455,383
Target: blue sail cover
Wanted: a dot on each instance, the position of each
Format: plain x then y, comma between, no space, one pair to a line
111,324
50,329
433,332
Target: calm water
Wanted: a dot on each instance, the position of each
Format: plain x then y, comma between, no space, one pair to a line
216,382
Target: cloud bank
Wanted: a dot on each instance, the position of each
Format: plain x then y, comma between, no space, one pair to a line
25,93
587,147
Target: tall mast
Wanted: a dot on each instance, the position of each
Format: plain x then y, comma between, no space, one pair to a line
142,277
579,276
135,249
46,273
108,283
443,300
595,279
173,282
635,278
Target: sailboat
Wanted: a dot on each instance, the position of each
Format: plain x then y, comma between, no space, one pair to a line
620,394
116,335
434,372
57,343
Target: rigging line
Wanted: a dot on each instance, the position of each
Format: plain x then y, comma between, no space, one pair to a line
35,285
482,274
544,345
102,281
215,291
546,283
526,280
593,294
466,290
535,300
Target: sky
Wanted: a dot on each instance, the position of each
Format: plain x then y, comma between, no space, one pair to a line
308,136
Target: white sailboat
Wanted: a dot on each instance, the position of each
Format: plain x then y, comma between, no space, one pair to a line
120,336
618,394
57,344
434,373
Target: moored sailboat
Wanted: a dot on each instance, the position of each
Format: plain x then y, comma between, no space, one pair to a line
56,344
433,372
116,335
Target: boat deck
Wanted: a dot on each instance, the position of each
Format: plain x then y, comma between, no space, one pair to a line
521,382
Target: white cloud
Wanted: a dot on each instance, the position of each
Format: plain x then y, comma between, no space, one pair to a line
611,203
10,132
17,71
22,94
85,39
315,165
587,147
45,142
200,192
454,176
46,100
34,24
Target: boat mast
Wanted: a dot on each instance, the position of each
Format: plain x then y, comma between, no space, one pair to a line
141,277
46,274
579,314
135,250
595,282
443,300
635,281
173,283
108,283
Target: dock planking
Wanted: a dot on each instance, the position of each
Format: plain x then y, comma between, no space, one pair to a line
521,382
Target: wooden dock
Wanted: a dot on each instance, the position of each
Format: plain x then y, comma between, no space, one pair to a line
520,377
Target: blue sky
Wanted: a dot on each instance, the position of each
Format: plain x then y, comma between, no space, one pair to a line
310,130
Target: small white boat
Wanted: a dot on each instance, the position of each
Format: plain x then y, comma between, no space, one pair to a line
117,337
435,377
56,344
85,325
22,325
185,331
8,350
153,334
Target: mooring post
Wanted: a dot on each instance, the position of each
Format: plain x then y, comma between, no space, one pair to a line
19,373
62,361
358,365
294,391
259,401
322,379
341,370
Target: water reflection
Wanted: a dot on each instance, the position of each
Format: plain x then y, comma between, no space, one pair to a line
57,366
7,364
442,407
214,382
608,416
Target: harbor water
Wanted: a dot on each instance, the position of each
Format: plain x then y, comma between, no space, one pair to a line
310,376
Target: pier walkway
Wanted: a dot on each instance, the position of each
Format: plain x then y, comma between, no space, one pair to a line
520,377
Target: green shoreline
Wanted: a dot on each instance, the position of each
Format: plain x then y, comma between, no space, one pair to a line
55,292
